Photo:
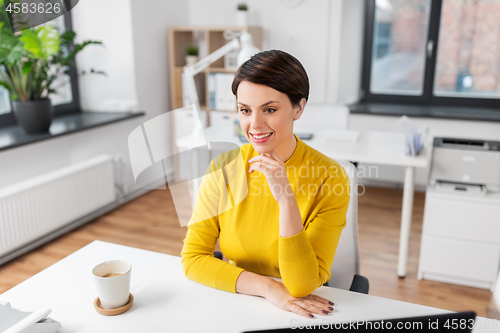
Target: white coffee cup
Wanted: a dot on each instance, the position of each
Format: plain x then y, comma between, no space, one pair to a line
112,279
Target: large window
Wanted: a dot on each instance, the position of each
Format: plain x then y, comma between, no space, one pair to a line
65,100
435,52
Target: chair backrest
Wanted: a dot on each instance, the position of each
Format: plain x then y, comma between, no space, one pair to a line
347,256
496,292
334,116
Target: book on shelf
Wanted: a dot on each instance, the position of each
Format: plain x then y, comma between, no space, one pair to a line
211,90
224,98
186,100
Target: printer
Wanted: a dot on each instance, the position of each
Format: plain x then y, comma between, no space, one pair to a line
466,165
460,241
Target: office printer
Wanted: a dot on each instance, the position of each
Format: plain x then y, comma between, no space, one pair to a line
465,165
460,234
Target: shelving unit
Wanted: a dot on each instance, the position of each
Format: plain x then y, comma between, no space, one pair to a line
208,39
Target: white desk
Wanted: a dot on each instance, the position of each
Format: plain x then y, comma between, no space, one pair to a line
385,148
166,301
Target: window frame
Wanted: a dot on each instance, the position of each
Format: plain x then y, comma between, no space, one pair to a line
427,97
8,119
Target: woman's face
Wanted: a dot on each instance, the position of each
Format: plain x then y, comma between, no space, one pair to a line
266,116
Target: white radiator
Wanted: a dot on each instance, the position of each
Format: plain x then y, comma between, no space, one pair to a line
40,205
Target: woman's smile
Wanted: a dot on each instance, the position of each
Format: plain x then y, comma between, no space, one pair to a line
260,137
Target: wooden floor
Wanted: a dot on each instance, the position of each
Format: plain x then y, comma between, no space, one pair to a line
150,222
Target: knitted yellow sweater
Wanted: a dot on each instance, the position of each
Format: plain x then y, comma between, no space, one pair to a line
237,207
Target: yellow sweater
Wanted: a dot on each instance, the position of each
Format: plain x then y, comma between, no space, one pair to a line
237,208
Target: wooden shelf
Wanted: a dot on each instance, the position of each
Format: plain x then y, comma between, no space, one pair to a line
209,39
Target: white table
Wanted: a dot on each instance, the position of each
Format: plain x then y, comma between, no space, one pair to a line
166,301
373,147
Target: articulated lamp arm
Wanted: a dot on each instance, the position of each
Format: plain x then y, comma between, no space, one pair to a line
189,73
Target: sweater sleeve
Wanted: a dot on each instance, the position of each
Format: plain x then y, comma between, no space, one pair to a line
305,259
203,229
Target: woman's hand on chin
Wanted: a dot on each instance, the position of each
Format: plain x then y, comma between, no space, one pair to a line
306,306
274,169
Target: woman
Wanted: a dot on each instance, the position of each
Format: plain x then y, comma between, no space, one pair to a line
284,215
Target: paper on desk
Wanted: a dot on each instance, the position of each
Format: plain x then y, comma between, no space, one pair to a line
337,135
15,321
9,317
415,138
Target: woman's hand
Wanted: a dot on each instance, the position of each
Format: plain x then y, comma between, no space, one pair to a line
274,169
278,295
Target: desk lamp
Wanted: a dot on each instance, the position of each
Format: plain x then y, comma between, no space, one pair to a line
248,49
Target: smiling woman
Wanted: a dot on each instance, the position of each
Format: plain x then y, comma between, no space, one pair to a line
268,125
270,219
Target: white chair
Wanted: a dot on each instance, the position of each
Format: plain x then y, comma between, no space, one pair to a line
496,292
346,264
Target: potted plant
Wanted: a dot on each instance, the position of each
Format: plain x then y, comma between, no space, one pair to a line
242,14
192,55
30,61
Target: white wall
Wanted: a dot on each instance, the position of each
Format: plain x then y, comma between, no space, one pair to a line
109,22
351,51
151,20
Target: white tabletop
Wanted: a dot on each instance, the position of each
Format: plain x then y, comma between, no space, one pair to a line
377,147
165,300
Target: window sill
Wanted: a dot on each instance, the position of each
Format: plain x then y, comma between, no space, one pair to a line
428,111
14,136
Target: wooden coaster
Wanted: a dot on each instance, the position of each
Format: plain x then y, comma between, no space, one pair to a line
113,312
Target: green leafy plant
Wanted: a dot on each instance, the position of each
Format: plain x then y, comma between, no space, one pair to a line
32,60
242,6
192,50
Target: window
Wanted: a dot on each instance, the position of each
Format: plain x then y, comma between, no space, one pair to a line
399,47
62,84
468,58
383,39
433,52
66,100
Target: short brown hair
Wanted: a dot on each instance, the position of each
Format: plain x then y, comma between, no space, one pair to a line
278,70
